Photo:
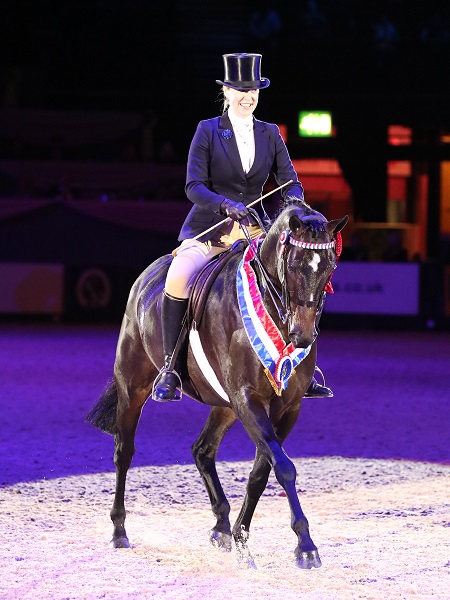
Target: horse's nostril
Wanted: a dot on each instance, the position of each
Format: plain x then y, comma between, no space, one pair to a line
299,340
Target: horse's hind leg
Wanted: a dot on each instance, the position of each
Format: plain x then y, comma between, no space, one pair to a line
124,449
134,374
256,485
204,451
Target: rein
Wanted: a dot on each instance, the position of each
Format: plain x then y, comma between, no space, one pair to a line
279,301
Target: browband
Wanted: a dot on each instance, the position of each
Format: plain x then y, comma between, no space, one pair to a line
285,237
311,245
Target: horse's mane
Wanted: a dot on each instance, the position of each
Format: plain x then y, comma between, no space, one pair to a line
294,202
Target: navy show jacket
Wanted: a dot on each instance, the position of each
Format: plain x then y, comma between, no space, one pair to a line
214,172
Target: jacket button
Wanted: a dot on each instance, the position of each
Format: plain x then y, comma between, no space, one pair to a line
241,194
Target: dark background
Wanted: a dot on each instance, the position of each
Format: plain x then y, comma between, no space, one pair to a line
371,63
163,57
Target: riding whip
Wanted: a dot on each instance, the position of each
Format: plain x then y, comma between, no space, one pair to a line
248,206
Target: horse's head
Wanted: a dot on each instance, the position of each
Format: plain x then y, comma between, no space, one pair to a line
306,256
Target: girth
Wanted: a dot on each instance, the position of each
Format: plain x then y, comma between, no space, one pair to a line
205,280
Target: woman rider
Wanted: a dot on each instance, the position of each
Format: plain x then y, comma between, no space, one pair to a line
230,159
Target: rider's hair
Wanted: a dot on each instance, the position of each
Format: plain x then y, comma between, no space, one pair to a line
223,99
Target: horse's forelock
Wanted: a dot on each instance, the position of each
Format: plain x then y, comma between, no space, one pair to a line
314,227
311,225
302,220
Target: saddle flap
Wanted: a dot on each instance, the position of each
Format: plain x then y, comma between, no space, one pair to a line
206,278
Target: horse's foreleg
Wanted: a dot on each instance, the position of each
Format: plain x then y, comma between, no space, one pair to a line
306,553
204,451
261,431
124,450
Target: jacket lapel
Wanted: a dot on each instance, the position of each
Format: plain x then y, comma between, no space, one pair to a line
261,144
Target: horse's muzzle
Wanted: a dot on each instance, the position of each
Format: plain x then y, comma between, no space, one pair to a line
301,328
301,341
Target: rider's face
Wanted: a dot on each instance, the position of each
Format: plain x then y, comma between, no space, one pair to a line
242,103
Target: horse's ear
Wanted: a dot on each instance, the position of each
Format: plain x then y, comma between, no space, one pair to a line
295,223
337,225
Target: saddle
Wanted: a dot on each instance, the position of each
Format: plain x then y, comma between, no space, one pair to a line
205,280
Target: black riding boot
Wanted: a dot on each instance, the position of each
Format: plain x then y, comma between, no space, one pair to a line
316,390
173,311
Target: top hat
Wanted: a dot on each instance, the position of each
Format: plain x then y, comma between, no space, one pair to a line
242,72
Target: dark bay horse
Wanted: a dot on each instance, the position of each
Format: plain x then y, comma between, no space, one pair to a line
261,383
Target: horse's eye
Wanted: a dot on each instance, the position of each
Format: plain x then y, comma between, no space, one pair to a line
295,264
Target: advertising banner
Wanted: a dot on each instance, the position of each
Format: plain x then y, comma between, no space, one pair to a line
375,288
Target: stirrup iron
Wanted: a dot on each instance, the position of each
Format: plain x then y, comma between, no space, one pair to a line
322,375
178,391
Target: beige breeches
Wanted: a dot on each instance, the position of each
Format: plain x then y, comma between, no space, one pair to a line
191,256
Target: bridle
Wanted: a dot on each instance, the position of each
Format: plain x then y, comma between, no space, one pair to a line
282,302
283,254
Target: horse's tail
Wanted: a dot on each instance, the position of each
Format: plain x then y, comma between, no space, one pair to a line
103,414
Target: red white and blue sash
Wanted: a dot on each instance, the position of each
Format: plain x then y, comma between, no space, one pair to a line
278,358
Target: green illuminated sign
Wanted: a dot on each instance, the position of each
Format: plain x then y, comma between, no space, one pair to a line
314,124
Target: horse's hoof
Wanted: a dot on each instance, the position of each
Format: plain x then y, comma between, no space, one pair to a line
244,557
121,542
245,560
308,560
220,540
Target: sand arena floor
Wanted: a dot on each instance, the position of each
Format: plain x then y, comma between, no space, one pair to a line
373,477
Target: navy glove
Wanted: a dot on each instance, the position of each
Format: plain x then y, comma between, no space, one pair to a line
236,211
